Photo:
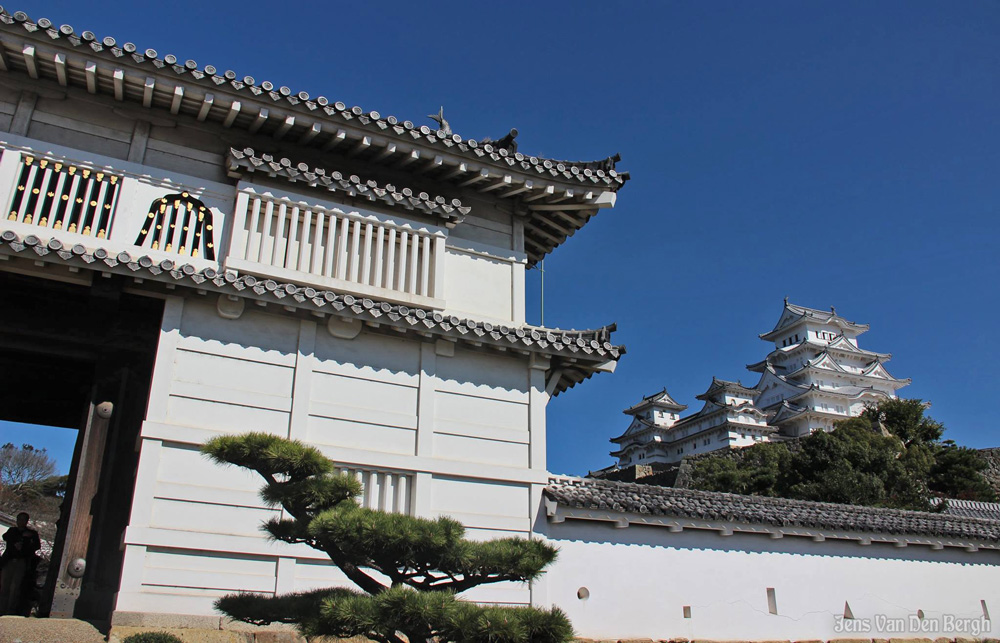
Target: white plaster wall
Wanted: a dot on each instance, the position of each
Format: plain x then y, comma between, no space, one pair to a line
640,578
462,431
484,281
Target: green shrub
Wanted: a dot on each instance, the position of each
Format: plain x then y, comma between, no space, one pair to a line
152,637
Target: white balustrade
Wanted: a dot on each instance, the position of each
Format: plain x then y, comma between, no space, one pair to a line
381,490
323,246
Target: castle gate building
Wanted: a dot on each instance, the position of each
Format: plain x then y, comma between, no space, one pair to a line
186,252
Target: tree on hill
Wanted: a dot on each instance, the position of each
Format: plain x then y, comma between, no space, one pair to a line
408,569
28,483
890,456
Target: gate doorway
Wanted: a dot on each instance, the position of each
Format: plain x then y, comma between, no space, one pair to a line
79,354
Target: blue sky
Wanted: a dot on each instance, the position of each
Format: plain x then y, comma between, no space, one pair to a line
838,153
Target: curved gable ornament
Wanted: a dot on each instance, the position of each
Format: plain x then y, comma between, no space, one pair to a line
181,224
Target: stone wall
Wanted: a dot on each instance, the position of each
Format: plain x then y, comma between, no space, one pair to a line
992,473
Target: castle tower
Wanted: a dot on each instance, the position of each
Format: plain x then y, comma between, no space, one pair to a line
656,435
816,373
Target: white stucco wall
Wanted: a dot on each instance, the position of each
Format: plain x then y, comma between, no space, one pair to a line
640,579
461,433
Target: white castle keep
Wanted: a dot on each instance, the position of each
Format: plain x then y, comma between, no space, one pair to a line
816,374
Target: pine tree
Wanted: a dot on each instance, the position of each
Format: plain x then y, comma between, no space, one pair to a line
408,569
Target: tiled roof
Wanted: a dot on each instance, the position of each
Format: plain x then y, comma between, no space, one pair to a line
585,174
972,509
589,348
661,399
718,385
792,314
631,498
247,160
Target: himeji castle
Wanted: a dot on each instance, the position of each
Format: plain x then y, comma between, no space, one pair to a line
816,374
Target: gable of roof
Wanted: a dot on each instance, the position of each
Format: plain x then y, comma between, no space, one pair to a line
661,399
793,315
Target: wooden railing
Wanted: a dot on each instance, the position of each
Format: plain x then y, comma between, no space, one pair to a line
331,247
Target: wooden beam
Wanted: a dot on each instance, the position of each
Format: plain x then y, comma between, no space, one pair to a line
336,140
564,231
481,176
524,188
119,82
259,121
90,70
60,63
361,145
547,235
506,180
175,103
311,133
532,242
432,164
147,91
458,171
206,106
410,158
569,219
547,192
3,60
387,151
29,61
286,125
553,207
234,111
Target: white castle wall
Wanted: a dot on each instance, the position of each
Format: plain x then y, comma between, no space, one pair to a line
456,432
640,579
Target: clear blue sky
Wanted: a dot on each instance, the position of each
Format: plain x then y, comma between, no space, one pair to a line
838,153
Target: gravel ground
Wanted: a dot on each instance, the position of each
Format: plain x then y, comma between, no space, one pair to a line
17,629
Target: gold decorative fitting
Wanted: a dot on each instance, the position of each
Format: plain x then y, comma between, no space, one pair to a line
93,203
101,234
28,160
21,188
114,179
72,227
72,170
58,225
65,197
34,191
58,167
86,173
43,163
12,217
86,230
44,222
100,176
27,218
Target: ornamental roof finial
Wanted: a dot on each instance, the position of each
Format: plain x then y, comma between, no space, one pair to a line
440,120
833,310
786,301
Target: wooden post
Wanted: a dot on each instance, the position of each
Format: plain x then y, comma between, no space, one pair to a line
72,562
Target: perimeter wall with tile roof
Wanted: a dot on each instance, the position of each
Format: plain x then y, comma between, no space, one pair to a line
649,582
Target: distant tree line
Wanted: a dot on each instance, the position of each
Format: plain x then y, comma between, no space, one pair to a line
892,455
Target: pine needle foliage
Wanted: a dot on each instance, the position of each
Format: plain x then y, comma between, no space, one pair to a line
409,570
